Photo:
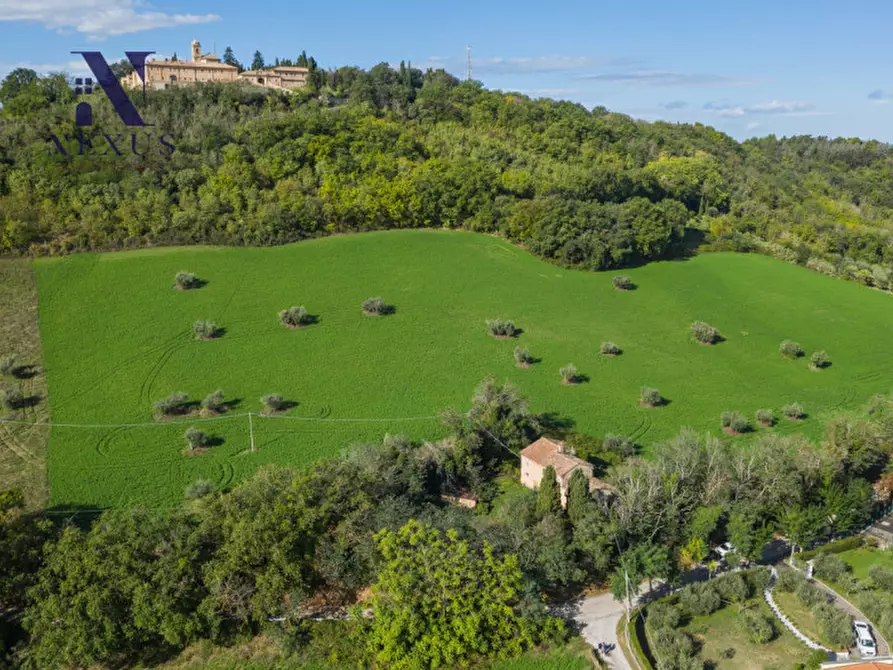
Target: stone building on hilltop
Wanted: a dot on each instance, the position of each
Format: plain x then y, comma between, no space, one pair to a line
208,68
545,452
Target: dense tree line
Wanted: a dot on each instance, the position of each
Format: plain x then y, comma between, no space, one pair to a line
398,148
137,585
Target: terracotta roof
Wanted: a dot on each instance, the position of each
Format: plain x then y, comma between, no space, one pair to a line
546,452
189,64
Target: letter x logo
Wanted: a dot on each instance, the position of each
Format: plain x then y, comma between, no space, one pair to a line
112,87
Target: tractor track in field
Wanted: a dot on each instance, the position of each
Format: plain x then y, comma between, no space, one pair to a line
642,429
104,444
127,362
11,441
145,392
227,472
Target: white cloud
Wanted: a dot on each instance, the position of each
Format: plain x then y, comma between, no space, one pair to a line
878,97
775,107
655,78
752,125
507,65
97,19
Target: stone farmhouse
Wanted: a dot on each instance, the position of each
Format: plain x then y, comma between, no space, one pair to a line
545,452
208,68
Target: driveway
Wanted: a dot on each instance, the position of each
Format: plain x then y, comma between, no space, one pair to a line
597,617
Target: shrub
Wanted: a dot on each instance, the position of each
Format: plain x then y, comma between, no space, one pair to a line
501,329
196,438
12,399
663,615
881,577
205,330
200,489
186,280
7,365
790,349
622,282
213,402
789,580
568,374
700,599
829,567
523,358
819,360
793,411
734,422
273,403
834,625
619,444
809,594
650,397
704,333
294,317
172,404
759,628
835,547
765,417
609,349
674,644
732,588
375,307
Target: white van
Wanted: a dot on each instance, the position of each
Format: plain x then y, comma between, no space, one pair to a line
864,639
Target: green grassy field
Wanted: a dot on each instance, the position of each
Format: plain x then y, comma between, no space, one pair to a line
861,560
118,337
723,631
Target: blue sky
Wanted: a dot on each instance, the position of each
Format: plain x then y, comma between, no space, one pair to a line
785,67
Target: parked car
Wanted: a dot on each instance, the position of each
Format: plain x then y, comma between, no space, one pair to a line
864,639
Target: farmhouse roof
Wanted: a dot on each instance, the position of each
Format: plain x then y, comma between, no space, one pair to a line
545,452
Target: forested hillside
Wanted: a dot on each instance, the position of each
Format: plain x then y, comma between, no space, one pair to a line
401,148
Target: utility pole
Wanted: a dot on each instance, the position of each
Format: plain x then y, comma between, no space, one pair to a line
468,63
251,430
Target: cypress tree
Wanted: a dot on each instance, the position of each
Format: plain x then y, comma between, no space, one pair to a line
548,497
577,496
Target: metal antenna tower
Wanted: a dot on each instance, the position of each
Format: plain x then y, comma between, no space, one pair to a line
468,63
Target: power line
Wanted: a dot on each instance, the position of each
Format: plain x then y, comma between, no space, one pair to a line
158,424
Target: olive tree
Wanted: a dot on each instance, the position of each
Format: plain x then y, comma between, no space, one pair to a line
205,330
523,359
501,329
794,411
186,280
650,397
375,307
173,404
196,438
12,399
704,333
790,349
272,403
734,423
568,374
819,360
213,402
609,349
765,417
622,283
294,317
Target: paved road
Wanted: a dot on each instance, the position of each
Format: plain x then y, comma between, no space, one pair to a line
844,605
597,617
